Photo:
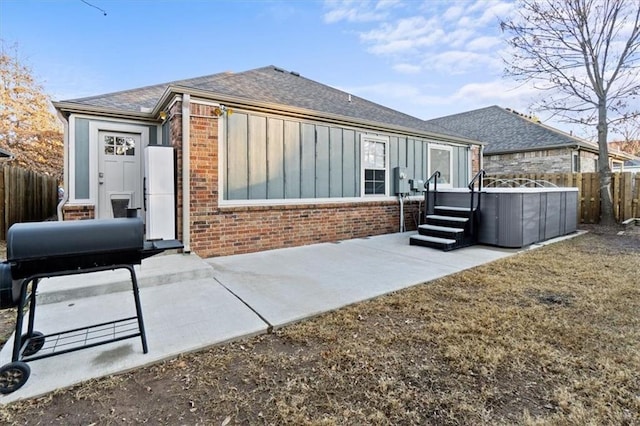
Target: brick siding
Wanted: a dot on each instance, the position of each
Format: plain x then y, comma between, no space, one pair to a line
77,212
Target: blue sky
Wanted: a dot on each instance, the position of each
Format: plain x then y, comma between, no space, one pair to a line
425,58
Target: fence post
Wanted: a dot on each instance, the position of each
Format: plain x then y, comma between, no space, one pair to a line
615,192
635,202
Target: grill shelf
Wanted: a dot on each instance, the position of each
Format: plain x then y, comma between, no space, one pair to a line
80,338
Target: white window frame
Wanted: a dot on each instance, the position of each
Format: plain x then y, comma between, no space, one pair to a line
575,162
364,138
449,149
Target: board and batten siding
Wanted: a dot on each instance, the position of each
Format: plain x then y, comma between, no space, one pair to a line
272,158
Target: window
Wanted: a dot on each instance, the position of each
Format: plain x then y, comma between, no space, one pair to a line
119,145
441,159
575,163
375,164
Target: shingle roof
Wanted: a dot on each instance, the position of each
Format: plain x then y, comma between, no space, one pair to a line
273,85
506,131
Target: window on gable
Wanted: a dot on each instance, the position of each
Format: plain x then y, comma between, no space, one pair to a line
375,160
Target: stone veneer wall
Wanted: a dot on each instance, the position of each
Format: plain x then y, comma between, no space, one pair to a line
544,161
220,231
588,162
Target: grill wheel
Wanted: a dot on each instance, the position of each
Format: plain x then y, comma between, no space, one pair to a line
36,342
13,376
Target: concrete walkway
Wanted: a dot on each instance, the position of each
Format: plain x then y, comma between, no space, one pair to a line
189,304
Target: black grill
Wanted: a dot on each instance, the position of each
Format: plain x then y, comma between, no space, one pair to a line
49,249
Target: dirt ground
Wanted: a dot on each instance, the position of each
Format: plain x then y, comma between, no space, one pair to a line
550,336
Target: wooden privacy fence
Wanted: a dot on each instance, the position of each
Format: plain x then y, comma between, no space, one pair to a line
625,189
26,196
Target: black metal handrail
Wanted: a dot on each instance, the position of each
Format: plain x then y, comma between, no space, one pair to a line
427,185
475,214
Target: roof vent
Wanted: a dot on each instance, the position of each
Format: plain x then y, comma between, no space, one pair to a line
146,109
297,74
278,69
349,97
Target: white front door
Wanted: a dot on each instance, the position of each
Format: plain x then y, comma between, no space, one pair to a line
119,185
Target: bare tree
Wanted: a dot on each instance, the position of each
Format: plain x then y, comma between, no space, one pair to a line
585,55
28,127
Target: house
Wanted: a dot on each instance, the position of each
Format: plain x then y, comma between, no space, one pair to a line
518,143
264,159
632,166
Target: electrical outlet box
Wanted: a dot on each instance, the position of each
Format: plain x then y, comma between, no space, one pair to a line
400,181
417,185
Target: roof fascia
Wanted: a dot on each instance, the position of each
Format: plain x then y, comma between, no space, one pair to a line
576,145
76,108
238,102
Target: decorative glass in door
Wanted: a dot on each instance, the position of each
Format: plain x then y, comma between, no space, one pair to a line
119,145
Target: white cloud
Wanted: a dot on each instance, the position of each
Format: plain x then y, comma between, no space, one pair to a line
358,11
495,12
387,4
407,68
456,62
458,37
453,13
484,43
495,91
408,28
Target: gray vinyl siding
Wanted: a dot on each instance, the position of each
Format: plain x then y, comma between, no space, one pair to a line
335,162
460,166
292,156
308,158
82,159
257,151
275,159
350,155
322,162
237,159
271,157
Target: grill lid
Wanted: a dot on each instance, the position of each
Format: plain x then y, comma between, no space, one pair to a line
38,240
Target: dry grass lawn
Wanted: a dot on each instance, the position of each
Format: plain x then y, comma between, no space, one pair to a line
550,336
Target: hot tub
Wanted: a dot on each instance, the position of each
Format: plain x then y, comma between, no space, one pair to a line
517,217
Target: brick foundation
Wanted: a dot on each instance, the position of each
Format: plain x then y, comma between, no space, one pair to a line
78,212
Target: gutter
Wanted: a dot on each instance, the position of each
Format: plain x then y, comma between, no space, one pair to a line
542,148
186,168
65,151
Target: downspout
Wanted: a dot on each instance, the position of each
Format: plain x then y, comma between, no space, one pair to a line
401,213
186,166
65,152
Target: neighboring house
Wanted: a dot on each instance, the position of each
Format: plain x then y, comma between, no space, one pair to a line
517,143
264,159
629,166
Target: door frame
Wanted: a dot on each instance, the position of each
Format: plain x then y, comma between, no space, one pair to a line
94,156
